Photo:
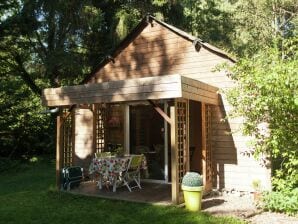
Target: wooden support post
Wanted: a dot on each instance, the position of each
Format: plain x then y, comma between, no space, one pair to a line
204,138
126,128
73,136
94,111
59,148
174,169
186,155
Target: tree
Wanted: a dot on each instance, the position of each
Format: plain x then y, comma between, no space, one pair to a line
42,44
209,20
261,23
53,43
267,97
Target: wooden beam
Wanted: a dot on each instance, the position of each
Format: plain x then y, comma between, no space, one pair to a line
94,111
174,170
161,87
204,149
187,165
126,128
59,157
73,135
160,111
117,97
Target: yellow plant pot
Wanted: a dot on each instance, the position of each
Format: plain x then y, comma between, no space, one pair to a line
193,197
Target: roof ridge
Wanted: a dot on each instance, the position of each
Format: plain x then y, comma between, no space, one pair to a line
194,39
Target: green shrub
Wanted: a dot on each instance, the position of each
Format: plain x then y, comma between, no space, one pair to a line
8,164
192,179
266,97
285,201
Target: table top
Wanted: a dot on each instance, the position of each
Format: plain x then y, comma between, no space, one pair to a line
109,166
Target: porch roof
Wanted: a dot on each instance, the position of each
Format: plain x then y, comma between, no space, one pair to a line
148,88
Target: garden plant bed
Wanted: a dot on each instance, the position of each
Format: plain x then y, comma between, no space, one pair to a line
243,207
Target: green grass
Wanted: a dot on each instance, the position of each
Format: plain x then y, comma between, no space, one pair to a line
28,196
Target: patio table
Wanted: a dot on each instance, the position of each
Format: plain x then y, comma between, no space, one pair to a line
108,168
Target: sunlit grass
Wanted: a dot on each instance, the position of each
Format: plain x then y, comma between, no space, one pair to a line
28,196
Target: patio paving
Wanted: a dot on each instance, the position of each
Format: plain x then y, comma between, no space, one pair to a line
150,192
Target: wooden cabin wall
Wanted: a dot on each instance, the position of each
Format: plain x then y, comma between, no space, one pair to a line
83,146
158,51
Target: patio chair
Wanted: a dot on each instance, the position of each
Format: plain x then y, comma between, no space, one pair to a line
132,173
102,154
71,176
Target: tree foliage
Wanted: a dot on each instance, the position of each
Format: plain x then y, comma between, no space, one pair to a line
266,74
25,131
261,23
267,97
209,20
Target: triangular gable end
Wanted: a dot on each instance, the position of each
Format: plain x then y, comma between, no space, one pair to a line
155,48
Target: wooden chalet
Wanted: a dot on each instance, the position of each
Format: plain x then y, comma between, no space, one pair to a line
158,94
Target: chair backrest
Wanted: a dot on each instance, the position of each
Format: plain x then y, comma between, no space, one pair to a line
135,162
142,148
102,154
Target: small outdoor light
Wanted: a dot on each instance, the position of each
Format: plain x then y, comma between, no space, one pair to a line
198,44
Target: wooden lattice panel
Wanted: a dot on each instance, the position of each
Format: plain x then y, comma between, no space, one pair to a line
100,116
67,141
182,137
208,144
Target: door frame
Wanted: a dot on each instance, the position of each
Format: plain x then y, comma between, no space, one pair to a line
127,137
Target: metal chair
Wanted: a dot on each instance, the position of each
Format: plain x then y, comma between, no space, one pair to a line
102,154
71,176
132,173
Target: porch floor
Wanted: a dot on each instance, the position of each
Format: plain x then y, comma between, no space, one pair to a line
150,192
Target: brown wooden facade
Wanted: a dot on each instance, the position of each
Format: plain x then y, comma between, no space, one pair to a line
159,63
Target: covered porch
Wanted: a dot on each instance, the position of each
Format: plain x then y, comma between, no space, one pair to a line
153,193
95,115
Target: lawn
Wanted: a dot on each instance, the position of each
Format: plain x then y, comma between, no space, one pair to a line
28,196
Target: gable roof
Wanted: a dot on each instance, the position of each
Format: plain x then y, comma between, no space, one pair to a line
198,43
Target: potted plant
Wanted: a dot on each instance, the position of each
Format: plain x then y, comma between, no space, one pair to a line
192,186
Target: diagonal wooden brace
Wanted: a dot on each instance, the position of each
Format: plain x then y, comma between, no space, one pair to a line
160,111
